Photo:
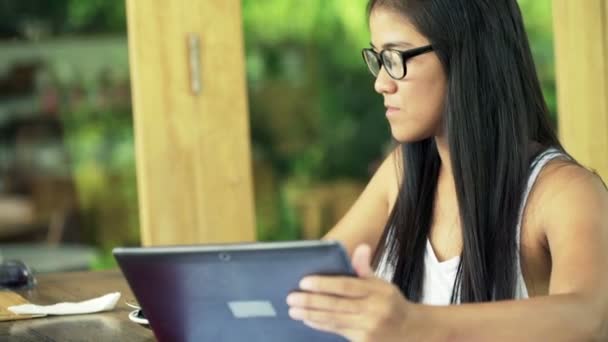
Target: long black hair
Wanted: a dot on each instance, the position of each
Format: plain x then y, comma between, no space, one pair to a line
494,115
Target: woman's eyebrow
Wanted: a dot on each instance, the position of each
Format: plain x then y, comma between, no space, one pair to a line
394,45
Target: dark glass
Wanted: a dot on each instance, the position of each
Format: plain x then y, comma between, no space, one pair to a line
14,274
394,61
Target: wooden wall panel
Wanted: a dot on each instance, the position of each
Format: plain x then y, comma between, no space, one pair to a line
581,43
193,151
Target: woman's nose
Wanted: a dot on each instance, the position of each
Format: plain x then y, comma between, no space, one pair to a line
384,83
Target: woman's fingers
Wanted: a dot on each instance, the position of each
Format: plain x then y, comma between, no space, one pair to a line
330,320
325,303
339,286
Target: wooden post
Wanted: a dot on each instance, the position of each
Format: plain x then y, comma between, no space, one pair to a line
581,42
191,121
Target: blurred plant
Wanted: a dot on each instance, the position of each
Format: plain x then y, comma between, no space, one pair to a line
314,116
311,99
63,16
99,135
539,26
93,15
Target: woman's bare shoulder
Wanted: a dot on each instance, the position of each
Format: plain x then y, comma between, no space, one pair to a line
565,190
565,178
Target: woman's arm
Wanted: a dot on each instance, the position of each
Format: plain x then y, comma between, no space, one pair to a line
574,217
365,220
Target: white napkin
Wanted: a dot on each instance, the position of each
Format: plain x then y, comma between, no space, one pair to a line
103,303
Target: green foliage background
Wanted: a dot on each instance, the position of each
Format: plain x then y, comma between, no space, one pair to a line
315,116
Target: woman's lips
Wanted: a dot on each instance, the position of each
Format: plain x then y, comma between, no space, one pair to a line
391,111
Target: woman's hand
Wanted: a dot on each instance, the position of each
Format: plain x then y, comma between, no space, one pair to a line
360,309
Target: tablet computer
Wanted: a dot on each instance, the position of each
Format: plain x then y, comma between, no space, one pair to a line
228,292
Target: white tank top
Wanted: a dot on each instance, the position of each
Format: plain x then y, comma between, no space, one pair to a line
439,277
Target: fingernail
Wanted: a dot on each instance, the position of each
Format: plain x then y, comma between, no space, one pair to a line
291,299
306,284
295,313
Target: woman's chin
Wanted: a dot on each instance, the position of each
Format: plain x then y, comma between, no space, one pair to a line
403,135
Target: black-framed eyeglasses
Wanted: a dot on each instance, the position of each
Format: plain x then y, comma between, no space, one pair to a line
394,61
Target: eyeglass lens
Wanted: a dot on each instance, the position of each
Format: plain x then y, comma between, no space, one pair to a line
391,60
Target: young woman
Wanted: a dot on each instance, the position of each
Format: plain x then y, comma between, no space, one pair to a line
479,205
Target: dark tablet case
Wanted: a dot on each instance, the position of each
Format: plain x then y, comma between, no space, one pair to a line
193,293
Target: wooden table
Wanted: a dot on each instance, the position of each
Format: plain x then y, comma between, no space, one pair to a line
73,287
